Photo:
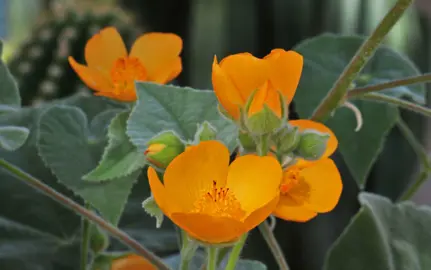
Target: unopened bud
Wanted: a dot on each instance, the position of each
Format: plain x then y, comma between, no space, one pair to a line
263,122
163,148
312,145
286,139
99,240
247,142
205,132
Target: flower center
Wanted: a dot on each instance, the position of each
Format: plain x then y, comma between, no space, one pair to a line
291,178
125,72
219,202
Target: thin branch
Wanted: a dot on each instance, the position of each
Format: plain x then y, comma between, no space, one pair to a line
82,211
396,101
387,85
337,94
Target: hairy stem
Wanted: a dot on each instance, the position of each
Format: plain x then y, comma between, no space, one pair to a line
273,245
83,212
236,252
337,94
387,85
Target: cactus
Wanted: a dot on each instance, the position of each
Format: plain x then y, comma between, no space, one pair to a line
40,65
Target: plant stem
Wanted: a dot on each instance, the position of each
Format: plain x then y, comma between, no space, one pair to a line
212,258
269,237
85,213
387,85
423,158
338,92
263,145
188,249
85,244
396,101
422,178
236,251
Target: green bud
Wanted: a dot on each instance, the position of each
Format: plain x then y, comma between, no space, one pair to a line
205,132
150,206
99,240
101,262
163,148
263,122
312,144
247,142
286,139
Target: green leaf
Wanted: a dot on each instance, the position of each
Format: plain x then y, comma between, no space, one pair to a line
384,235
12,138
8,87
65,147
180,109
174,261
150,206
120,158
325,57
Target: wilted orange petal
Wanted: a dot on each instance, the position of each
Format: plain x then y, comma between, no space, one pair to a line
226,92
103,49
91,77
247,72
192,173
157,51
325,186
288,209
309,124
209,228
266,95
254,180
132,262
285,71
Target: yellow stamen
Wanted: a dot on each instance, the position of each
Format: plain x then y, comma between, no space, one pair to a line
125,72
219,202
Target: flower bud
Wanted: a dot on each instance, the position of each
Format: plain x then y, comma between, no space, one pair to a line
312,144
247,142
163,148
286,139
99,240
263,122
205,132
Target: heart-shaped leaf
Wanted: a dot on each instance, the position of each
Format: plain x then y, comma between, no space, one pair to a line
384,235
65,147
325,57
180,109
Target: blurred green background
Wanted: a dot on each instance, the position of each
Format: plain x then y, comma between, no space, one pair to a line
224,27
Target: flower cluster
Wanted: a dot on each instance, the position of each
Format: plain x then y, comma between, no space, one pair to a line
284,167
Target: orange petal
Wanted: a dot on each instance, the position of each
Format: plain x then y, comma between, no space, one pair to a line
103,49
266,95
169,72
285,71
309,124
254,181
226,92
157,51
261,214
246,72
91,77
323,182
159,193
191,174
289,209
209,229
132,262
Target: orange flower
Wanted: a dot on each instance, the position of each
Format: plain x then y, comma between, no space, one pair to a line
132,262
238,75
213,201
111,72
310,187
